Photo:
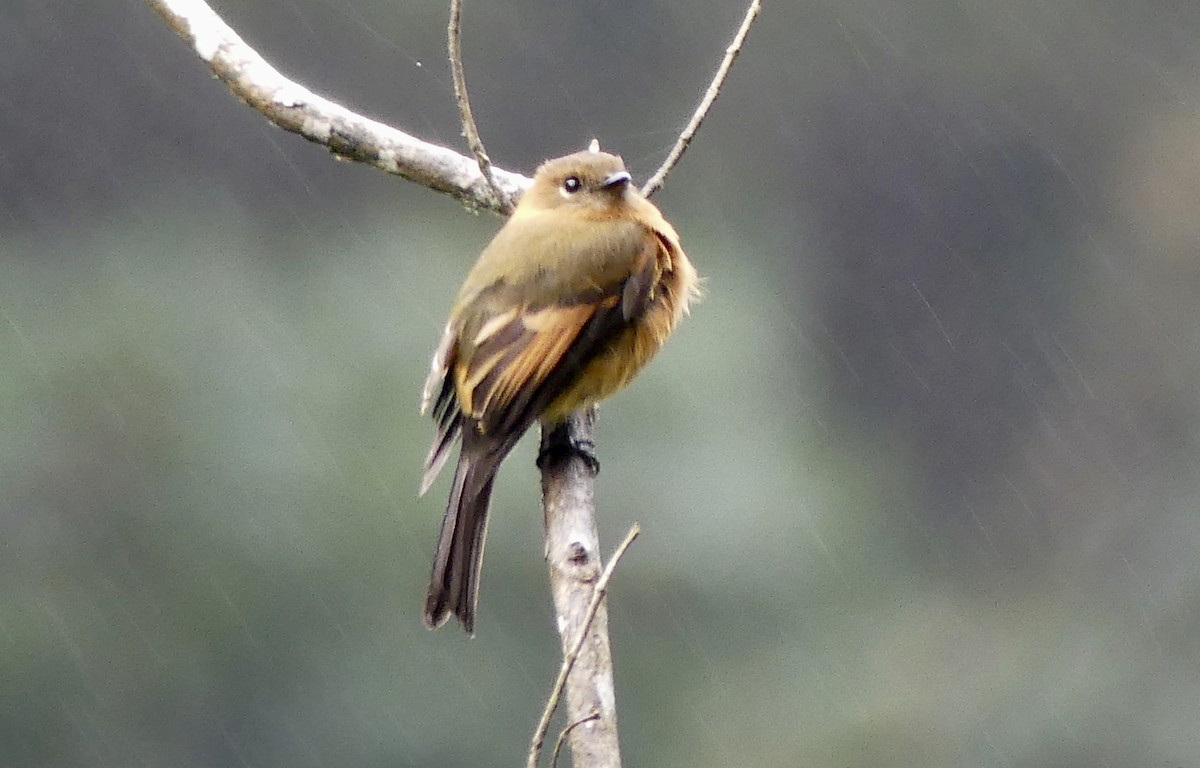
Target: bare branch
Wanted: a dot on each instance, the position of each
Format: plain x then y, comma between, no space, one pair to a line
574,649
571,569
714,88
470,130
572,542
294,108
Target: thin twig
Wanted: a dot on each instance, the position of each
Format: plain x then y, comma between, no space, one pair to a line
598,593
470,130
714,88
562,737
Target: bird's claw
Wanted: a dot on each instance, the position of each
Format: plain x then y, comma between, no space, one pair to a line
559,445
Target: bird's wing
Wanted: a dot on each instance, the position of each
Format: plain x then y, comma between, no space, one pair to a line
521,357
503,359
439,394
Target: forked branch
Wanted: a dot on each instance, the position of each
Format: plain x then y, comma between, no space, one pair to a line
567,487
347,134
352,136
571,655
470,130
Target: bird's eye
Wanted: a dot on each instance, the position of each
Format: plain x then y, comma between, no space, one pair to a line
572,184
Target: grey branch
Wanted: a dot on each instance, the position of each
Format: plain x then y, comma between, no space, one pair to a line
470,130
573,557
294,108
574,574
714,89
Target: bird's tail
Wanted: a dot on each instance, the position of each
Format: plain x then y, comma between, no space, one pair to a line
454,583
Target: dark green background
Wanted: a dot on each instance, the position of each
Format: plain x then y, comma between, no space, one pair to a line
919,479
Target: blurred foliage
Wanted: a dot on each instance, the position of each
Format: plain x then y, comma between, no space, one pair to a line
918,479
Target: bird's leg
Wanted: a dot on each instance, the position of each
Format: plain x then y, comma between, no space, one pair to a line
558,444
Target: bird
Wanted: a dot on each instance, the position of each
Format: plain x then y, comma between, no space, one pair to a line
573,296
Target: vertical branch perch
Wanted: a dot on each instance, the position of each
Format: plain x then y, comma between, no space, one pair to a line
573,557
571,651
573,543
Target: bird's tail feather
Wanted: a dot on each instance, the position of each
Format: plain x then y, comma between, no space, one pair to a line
454,583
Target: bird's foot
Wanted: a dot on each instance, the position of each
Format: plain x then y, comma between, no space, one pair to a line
559,445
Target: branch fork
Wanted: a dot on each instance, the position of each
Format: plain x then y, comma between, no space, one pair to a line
578,582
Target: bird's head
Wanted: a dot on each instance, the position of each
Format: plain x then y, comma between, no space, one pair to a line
585,181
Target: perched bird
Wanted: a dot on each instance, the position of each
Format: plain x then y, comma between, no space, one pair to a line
573,296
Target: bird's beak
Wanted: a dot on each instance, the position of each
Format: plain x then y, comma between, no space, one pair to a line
618,179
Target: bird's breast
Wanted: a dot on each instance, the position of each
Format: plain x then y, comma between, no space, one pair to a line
631,348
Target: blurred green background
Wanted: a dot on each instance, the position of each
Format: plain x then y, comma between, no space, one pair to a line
919,479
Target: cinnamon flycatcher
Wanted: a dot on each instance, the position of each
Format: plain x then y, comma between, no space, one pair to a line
573,296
